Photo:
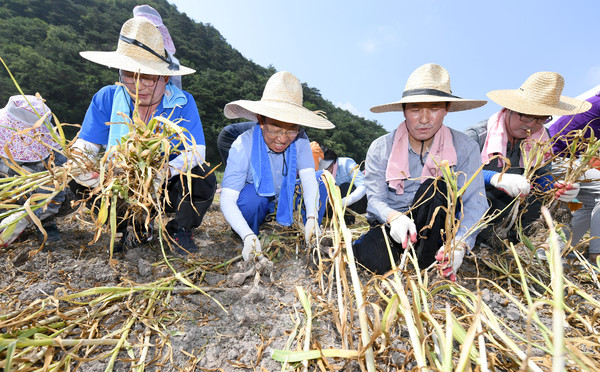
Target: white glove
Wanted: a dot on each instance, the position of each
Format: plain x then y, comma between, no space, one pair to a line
251,247
159,181
450,263
311,228
86,152
512,184
88,179
402,228
566,192
11,230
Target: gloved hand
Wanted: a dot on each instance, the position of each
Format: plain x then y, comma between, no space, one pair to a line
566,192
401,228
311,227
11,230
450,263
158,182
84,154
512,184
251,248
88,179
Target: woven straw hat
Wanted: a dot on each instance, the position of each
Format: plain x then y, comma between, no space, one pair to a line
19,115
281,100
140,49
429,83
540,95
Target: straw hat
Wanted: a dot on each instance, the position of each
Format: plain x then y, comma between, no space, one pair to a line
429,83
540,95
19,115
140,49
281,100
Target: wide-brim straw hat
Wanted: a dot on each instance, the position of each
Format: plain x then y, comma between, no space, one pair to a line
140,49
540,95
20,114
429,83
281,100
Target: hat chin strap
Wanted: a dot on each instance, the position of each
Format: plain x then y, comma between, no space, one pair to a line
172,65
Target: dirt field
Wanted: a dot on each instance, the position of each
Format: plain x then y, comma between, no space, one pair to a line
179,328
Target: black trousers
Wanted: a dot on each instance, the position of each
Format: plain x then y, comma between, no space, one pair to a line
370,249
529,212
361,205
189,208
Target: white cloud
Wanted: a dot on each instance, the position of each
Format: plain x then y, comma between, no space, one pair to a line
382,37
350,108
368,46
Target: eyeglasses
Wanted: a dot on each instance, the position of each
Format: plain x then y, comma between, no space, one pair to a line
538,119
131,78
278,133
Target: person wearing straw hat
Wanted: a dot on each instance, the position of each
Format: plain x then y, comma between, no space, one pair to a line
265,161
510,134
33,152
588,216
402,176
149,13
348,177
145,71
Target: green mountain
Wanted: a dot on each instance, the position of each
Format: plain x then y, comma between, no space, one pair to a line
40,41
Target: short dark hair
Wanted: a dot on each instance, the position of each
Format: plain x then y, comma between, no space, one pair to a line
329,154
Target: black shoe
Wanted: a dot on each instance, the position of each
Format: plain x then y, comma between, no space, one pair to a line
52,232
130,239
184,241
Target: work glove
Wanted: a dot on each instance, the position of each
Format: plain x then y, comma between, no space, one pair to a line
11,230
512,184
566,192
251,247
88,179
158,182
311,227
84,154
450,262
402,228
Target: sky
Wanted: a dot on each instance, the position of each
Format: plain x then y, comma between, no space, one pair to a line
359,53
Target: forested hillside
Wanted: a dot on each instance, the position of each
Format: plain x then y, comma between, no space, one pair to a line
40,41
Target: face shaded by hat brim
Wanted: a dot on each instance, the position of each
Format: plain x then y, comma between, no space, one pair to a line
456,104
126,63
278,110
513,100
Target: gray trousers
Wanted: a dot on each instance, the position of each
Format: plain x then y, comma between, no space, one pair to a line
588,216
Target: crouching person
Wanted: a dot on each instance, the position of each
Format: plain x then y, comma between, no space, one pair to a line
349,178
264,162
32,152
404,189
144,65
510,134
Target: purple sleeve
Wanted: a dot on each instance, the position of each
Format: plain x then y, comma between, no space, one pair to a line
566,124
